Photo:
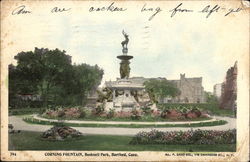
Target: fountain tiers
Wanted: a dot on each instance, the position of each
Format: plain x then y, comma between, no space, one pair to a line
124,57
123,90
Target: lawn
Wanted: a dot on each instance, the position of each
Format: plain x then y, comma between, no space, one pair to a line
32,141
26,111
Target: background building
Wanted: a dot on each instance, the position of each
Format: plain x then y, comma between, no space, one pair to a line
191,89
229,89
217,90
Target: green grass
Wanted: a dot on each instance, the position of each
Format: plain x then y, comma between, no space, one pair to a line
32,141
213,123
26,111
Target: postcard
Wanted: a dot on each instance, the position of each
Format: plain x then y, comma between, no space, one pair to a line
156,80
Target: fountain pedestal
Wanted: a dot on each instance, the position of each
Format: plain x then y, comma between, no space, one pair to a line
124,94
124,64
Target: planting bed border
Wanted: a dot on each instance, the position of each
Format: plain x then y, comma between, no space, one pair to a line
36,116
79,123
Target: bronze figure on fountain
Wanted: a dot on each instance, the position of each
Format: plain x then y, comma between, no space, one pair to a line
124,65
125,43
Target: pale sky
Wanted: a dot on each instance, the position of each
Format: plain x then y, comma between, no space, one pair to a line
162,47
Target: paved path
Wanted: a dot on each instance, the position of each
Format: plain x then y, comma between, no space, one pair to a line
19,124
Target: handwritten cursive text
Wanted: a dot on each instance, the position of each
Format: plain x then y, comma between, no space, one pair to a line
155,10
231,10
57,9
178,9
110,8
209,11
20,10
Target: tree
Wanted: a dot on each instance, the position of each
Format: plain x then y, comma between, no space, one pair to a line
87,78
51,74
42,70
212,99
160,88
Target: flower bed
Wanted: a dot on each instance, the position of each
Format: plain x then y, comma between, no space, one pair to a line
143,114
73,112
182,111
60,133
187,137
210,108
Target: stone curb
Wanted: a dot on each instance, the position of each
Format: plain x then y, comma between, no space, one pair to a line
35,116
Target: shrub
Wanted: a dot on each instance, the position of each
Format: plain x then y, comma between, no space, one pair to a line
163,114
61,113
83,113
73,112
146,110
98,110
123,114
136,114
184,110
111,113
155,113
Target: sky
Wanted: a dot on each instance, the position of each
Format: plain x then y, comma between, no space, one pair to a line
162,47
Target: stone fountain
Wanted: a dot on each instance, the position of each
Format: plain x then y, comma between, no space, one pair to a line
123,90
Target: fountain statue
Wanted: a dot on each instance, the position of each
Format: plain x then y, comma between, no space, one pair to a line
125,43
123,90
124,65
